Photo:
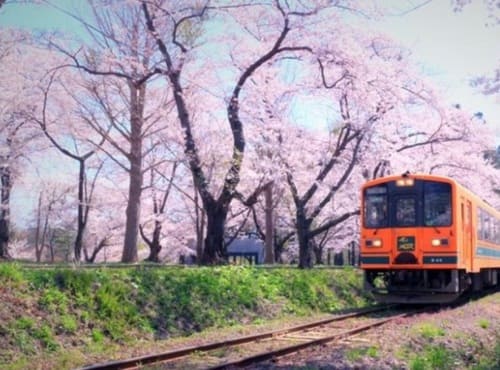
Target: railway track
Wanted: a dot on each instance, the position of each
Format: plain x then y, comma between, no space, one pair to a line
247,350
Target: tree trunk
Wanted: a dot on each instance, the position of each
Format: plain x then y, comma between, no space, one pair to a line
80,221
51,245
136,178
103,243
4,239
200,228
303,227
214,252
318,253
4,211
133,214
38,248
269,224
154,245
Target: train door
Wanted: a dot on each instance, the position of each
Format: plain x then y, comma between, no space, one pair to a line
405,216
467,235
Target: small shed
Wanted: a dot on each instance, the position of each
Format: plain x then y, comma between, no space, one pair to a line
246,250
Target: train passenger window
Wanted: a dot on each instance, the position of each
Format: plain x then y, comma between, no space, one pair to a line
406,214
486,226
480,224
375,207
437,204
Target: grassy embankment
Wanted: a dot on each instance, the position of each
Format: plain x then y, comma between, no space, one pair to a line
64,318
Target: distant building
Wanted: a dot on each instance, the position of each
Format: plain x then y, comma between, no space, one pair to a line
247,250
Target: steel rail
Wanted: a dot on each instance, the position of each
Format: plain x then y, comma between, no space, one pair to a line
135,362
268,355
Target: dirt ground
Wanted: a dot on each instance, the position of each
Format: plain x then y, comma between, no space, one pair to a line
466,337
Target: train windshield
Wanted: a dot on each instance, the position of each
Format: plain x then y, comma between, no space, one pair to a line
375,207
437,204
409,204
406,211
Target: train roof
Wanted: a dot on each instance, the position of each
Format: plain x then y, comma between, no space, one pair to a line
419,176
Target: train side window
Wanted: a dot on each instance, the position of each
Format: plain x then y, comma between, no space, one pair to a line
486,226
494,230
480,223
437,204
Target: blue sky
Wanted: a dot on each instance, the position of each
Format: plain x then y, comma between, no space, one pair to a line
453,48
42,17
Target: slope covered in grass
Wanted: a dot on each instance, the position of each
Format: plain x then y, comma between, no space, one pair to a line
61,317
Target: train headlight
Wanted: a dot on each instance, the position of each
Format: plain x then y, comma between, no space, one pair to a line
439,242
377,243
404,182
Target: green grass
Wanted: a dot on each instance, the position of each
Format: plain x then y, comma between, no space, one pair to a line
355,354
433,357
483,323
96,310
429,331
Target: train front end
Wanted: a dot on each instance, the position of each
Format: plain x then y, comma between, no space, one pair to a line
409,239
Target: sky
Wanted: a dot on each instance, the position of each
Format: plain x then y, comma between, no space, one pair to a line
453,48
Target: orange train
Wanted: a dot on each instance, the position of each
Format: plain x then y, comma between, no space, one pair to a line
426,239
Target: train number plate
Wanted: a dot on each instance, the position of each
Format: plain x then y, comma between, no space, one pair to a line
406,243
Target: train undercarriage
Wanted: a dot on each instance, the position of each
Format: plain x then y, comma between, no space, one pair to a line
426,286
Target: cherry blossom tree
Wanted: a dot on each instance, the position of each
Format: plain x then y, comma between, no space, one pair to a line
58,111
102,241
120,104
161,188
166,21
17,137
200,135
49,219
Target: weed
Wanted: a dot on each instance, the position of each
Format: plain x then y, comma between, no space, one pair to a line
54,300
46,337
24,323
97,336
357,354
68,324
24,342
490,360
20,333
74,281
439,358
483,323
11,272
429,331
418,363
433,357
